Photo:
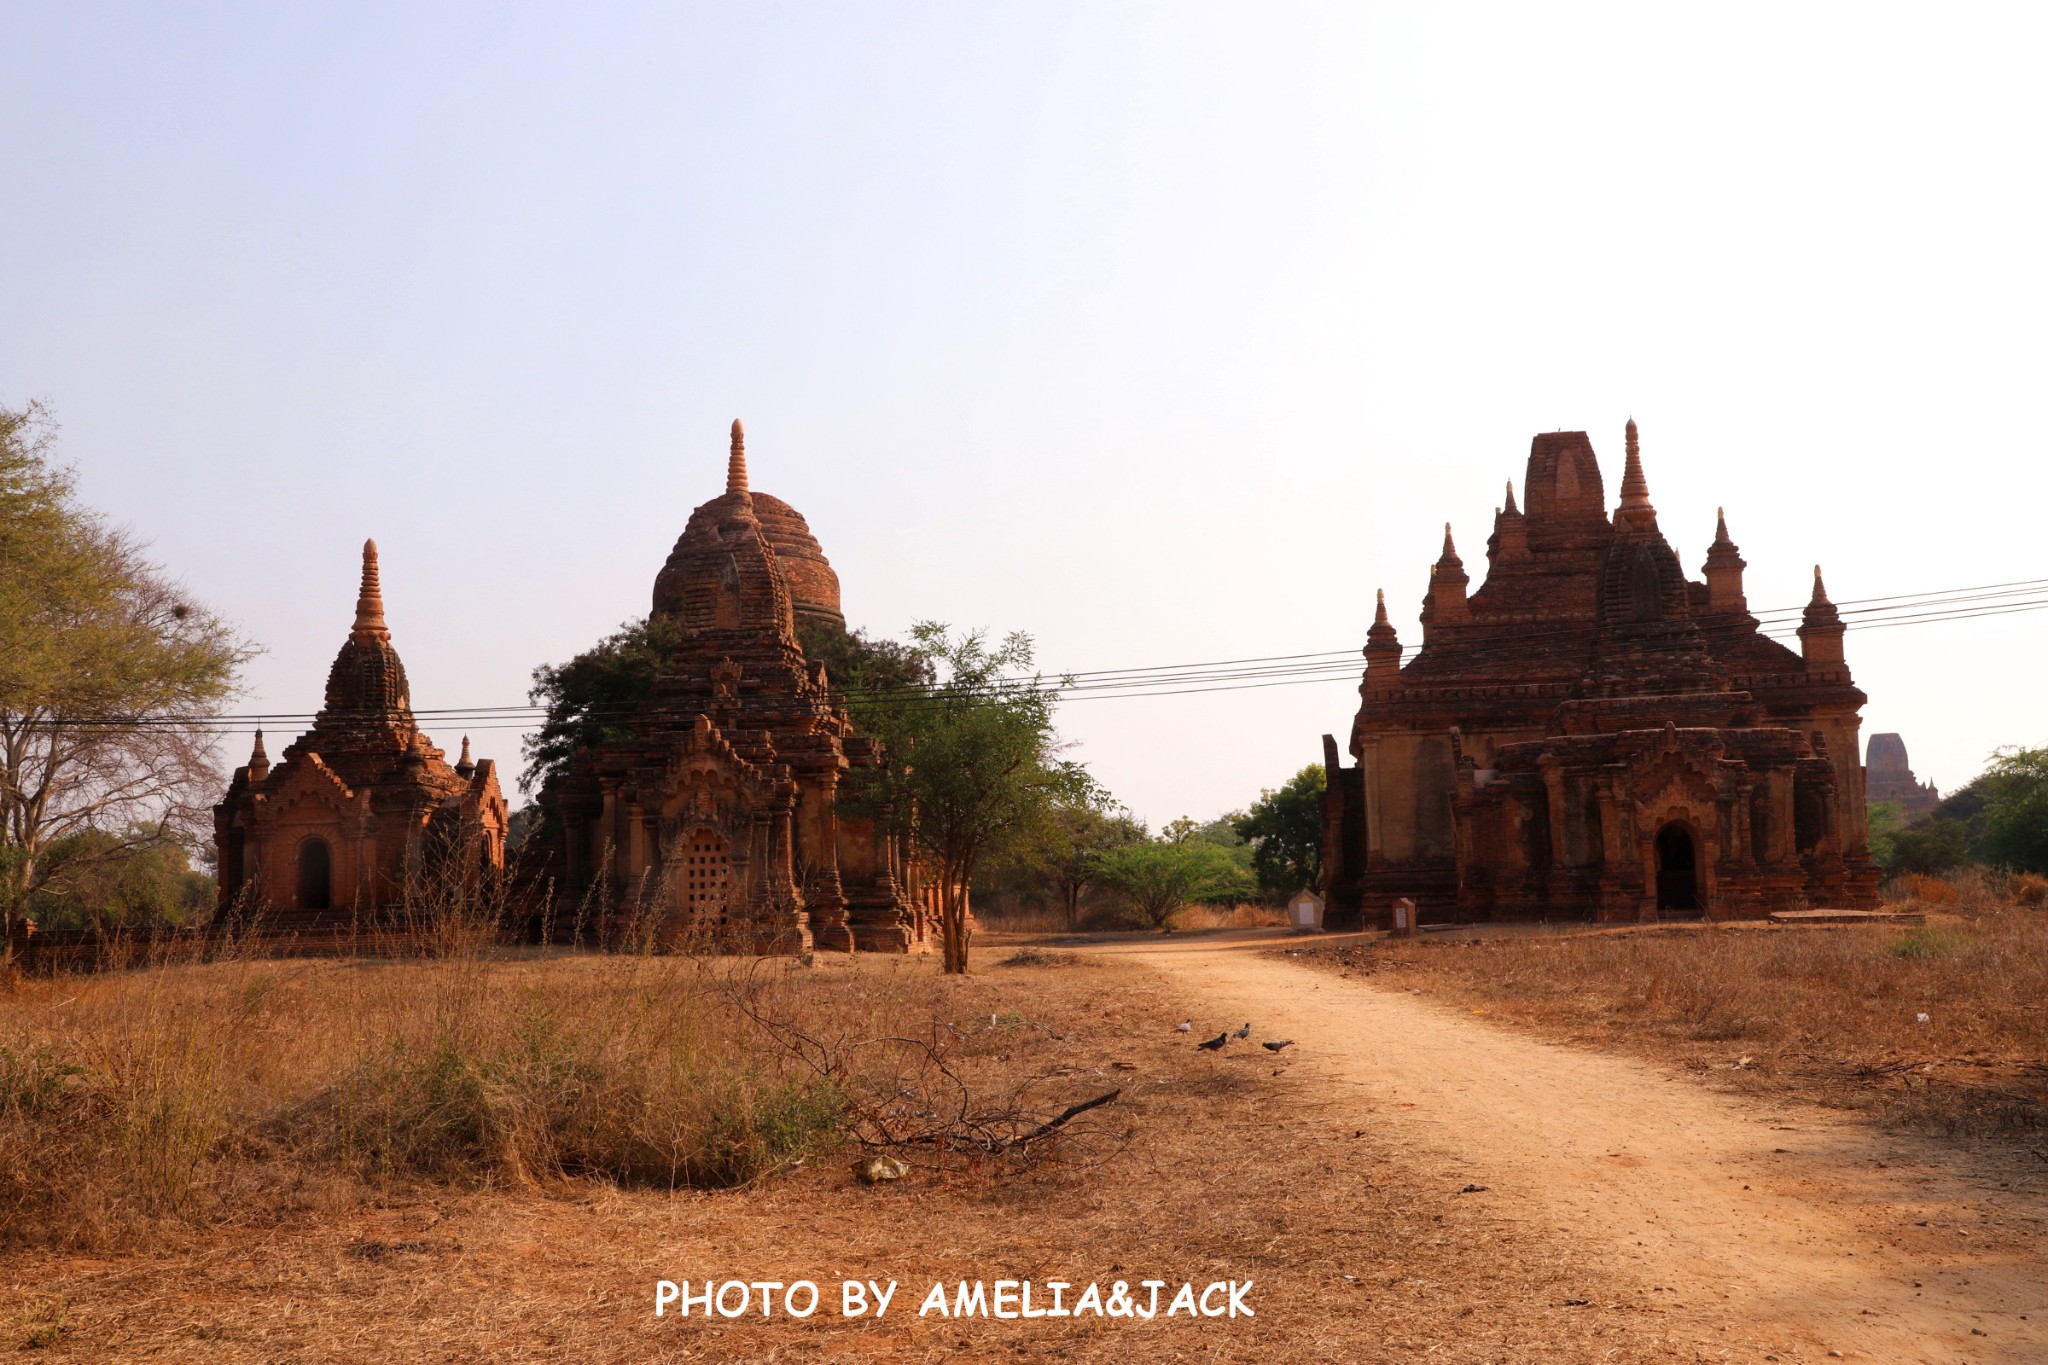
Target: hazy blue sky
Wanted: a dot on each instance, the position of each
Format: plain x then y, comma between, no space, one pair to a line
1164,332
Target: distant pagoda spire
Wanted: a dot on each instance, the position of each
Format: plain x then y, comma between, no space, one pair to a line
465,766
1635,509
1511,509
370,599
259,761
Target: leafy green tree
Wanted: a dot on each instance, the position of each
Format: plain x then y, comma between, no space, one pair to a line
862,667
1164,875
106,668
1930,846
972,767
1885,820
1285,830
1079,835
2014,828
141,878
590,699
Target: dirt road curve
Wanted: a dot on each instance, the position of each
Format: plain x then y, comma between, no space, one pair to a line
1781,1229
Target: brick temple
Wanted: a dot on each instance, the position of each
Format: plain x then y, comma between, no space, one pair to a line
362,808
1591,734
720,817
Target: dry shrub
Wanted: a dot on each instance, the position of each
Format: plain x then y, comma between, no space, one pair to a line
2030,889
1244,915
128,1098
1928,890
196,1092
1011,917
645,1083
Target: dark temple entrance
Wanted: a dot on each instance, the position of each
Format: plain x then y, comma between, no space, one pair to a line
1677,870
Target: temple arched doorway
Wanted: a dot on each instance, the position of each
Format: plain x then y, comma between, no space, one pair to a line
1678,887
316,879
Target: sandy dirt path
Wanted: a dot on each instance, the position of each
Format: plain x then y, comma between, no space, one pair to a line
1788,1231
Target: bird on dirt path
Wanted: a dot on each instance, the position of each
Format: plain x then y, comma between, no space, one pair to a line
1244,1032
1184,1025
1275,1047
1214,1043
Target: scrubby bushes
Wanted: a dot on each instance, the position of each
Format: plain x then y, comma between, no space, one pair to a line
1999,819
128,1097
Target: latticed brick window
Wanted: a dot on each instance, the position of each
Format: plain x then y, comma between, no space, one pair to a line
705,873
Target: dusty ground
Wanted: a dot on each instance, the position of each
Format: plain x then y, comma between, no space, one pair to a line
1628,1214
1936,1027
1782,1228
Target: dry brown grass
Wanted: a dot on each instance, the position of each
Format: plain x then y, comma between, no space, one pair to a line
197,1093
1938,1026
1244,915
1223,1167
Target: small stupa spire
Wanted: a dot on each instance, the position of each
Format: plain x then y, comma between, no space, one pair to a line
1821,628
1382,646
259,761
1512,510
464,766
370,600
736,462
1450,553
1723,569
1635,489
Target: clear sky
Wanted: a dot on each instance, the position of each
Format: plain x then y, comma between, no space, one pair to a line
1163,332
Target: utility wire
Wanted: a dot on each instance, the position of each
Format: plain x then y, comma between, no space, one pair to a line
1491,644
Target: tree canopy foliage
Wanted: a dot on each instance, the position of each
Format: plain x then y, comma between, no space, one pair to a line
590,699
1999,818
1285,830
1164,875
139,878
106,667
972,767
2011,829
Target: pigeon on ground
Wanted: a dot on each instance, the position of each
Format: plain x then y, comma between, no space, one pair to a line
1218,1041
1244,1032
1183,1026
1275,1047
